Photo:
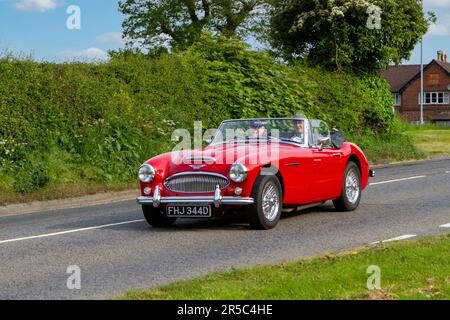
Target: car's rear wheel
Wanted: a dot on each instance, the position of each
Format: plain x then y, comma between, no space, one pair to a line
351,189
156,218
265,212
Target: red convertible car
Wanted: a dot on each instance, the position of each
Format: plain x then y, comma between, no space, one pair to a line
261,167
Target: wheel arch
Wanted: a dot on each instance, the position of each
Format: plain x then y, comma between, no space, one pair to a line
276,172
358,156
354,158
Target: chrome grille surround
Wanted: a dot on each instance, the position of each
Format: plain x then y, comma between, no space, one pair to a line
196,182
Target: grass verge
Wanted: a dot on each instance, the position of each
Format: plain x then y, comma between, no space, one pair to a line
417,269
387,149
61,191
433,141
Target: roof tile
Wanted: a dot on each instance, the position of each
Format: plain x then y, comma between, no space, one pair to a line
399,76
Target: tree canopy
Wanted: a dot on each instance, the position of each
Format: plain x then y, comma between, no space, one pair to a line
156,24
356,35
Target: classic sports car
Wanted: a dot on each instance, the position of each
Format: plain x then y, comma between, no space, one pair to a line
258,166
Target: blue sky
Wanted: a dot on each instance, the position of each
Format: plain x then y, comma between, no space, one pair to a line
38,27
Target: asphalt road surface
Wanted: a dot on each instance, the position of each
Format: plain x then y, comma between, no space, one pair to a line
116,250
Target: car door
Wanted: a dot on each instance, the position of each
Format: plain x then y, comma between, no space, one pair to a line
327,166
327,163
298,175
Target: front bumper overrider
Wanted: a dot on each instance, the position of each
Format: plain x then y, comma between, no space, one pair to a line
217,200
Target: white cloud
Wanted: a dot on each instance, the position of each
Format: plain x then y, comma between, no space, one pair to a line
438,30
442,26
36,5
90,54
111,37
437,3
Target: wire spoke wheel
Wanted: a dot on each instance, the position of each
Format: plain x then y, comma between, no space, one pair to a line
352,186
351,189
270,203
265,212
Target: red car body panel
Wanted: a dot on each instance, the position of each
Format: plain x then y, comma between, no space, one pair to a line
307,175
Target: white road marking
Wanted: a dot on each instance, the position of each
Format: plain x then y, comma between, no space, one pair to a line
445,225
397,180
70,231
404,237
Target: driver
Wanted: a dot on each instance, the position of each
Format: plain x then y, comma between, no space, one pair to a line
299,131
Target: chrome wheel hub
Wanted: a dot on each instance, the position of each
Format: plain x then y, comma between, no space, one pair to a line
352,186
270,201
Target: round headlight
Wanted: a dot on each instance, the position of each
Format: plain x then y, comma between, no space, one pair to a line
238,172
146,173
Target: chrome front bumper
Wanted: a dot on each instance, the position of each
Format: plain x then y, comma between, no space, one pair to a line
217,200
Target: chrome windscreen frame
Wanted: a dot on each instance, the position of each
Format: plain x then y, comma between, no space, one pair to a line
307,132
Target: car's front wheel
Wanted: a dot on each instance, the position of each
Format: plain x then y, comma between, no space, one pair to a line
351,189
265,212
156,218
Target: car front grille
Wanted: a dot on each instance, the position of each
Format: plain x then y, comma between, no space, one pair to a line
196,182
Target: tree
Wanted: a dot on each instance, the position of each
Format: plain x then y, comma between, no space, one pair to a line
154,24
356,35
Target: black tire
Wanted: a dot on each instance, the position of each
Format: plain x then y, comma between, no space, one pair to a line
156,218
255,213
344,203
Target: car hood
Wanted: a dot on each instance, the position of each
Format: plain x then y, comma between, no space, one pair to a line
219,158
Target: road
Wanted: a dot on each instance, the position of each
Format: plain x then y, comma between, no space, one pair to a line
116,250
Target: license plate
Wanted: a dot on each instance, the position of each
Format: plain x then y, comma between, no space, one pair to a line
188,211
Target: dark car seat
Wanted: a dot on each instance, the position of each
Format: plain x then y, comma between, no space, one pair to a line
337,139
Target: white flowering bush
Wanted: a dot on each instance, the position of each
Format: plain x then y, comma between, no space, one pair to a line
331,10
357,35
10,150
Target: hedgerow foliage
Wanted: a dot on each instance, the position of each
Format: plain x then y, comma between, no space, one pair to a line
62,123
249,84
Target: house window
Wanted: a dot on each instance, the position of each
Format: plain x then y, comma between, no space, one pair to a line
397,99
435,98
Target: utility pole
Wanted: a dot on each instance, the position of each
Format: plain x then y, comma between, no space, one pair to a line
421,76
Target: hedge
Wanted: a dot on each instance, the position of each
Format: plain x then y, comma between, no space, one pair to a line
75,122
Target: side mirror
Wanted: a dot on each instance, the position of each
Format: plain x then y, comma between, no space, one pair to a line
323,142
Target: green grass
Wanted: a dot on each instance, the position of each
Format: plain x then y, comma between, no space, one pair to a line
432,141
409,270
387,149
53,191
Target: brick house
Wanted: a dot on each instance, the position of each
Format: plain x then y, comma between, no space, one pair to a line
405,88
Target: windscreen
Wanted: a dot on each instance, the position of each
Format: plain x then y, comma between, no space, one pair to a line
261,129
